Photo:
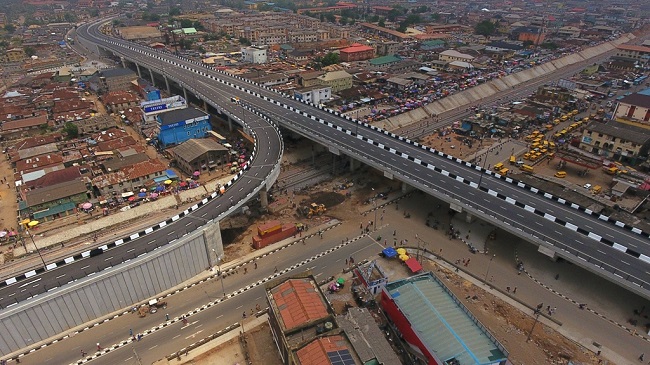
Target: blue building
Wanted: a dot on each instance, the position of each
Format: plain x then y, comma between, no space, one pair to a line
178,126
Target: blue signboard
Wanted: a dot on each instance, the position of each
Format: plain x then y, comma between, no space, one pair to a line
155,108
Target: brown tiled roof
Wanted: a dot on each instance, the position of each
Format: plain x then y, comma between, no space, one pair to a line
315,353
63,94
38,141
62,106
109,134
144,168
55,177
193,148
54,192
114,144
38,162
120,97
24,123
299,302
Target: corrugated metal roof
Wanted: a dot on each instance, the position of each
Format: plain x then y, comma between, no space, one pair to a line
443,324
299,302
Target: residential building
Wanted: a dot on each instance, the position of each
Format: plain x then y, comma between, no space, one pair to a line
569,32
385,32
116,101
53,201
314,94
356,52
387,48
95,124
633,52
453,55
336,80
13,55
19,127
634,109
532,34
129,179
616,141
254,54
117,79
199,155
383,62
178,126
309,78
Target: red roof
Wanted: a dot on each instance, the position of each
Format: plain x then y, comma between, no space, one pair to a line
299,302
357,48
413,264
632,47
315,353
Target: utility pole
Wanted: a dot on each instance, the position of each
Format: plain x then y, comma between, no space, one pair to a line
536,313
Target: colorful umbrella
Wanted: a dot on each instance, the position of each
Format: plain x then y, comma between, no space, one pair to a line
340,280
25,221
132,198
32,223
167,182
12,233
403,257
196,173
142,194
160,188
154,195
401,251
87,205
3,233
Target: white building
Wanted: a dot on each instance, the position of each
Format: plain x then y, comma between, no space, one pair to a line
254,54
315,94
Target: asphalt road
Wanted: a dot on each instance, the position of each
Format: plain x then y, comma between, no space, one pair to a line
176,336
389,154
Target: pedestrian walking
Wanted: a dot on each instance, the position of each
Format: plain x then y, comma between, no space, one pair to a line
641,357
508,289
245,270
346,262
275,271
514,291
167,317
252,312
83,354
99,348
243,314
130,332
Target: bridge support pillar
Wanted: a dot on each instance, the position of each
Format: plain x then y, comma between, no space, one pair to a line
264,198
123,62
185,94
137,67
354,164
205,106
153,81
469,218
169,90
406,188
213,243
229,123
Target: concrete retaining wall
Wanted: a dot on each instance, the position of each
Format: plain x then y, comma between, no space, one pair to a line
504,83
113,289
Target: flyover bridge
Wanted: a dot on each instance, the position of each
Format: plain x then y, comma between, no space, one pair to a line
598,243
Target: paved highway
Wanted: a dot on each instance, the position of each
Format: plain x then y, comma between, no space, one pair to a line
603,247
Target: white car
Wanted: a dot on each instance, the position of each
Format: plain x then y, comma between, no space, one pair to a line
587,186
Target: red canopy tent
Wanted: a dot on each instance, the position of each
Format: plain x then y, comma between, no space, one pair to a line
413,264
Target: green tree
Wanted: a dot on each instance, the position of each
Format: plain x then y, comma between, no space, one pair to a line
10,28
70,17
330,17
186,23
528,43
174,11
351,22
244,41
93,13
29,51
374,18
393,14
185,43
485,28
343,20
71,130
330,59
381,22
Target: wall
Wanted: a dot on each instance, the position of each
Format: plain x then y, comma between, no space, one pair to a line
111,290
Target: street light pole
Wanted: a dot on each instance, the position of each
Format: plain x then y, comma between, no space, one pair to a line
375,223
488,268
536,313
223,290
483,170
36,247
